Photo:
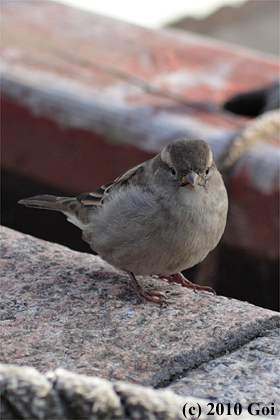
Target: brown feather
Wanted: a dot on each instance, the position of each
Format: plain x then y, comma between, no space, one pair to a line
95,198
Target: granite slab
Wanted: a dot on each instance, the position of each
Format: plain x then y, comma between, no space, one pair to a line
61,308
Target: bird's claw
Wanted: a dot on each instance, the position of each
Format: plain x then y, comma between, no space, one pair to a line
154,297
180,279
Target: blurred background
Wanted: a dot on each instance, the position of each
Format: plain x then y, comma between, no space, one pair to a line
153,14
253,23
89,90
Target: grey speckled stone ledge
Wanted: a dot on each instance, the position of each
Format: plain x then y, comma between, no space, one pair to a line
62,308
28,394
249,374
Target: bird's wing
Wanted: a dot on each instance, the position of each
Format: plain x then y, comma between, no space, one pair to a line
96,197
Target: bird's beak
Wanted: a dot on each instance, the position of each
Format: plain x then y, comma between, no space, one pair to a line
191,179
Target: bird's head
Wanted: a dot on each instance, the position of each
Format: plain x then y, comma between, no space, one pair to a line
188,162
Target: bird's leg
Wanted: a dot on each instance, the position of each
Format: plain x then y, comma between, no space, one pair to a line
180,279
152,296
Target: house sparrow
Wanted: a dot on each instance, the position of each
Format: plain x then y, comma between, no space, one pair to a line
158,218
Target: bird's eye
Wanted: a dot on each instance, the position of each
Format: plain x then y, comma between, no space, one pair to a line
207,171
173,171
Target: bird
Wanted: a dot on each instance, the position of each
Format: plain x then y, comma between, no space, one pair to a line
158,218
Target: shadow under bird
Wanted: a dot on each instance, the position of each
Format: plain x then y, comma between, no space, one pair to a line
158,218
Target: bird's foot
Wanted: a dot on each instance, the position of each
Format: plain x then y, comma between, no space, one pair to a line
180,279
155,297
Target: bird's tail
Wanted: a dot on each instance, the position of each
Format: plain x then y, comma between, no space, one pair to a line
49,202
75,211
